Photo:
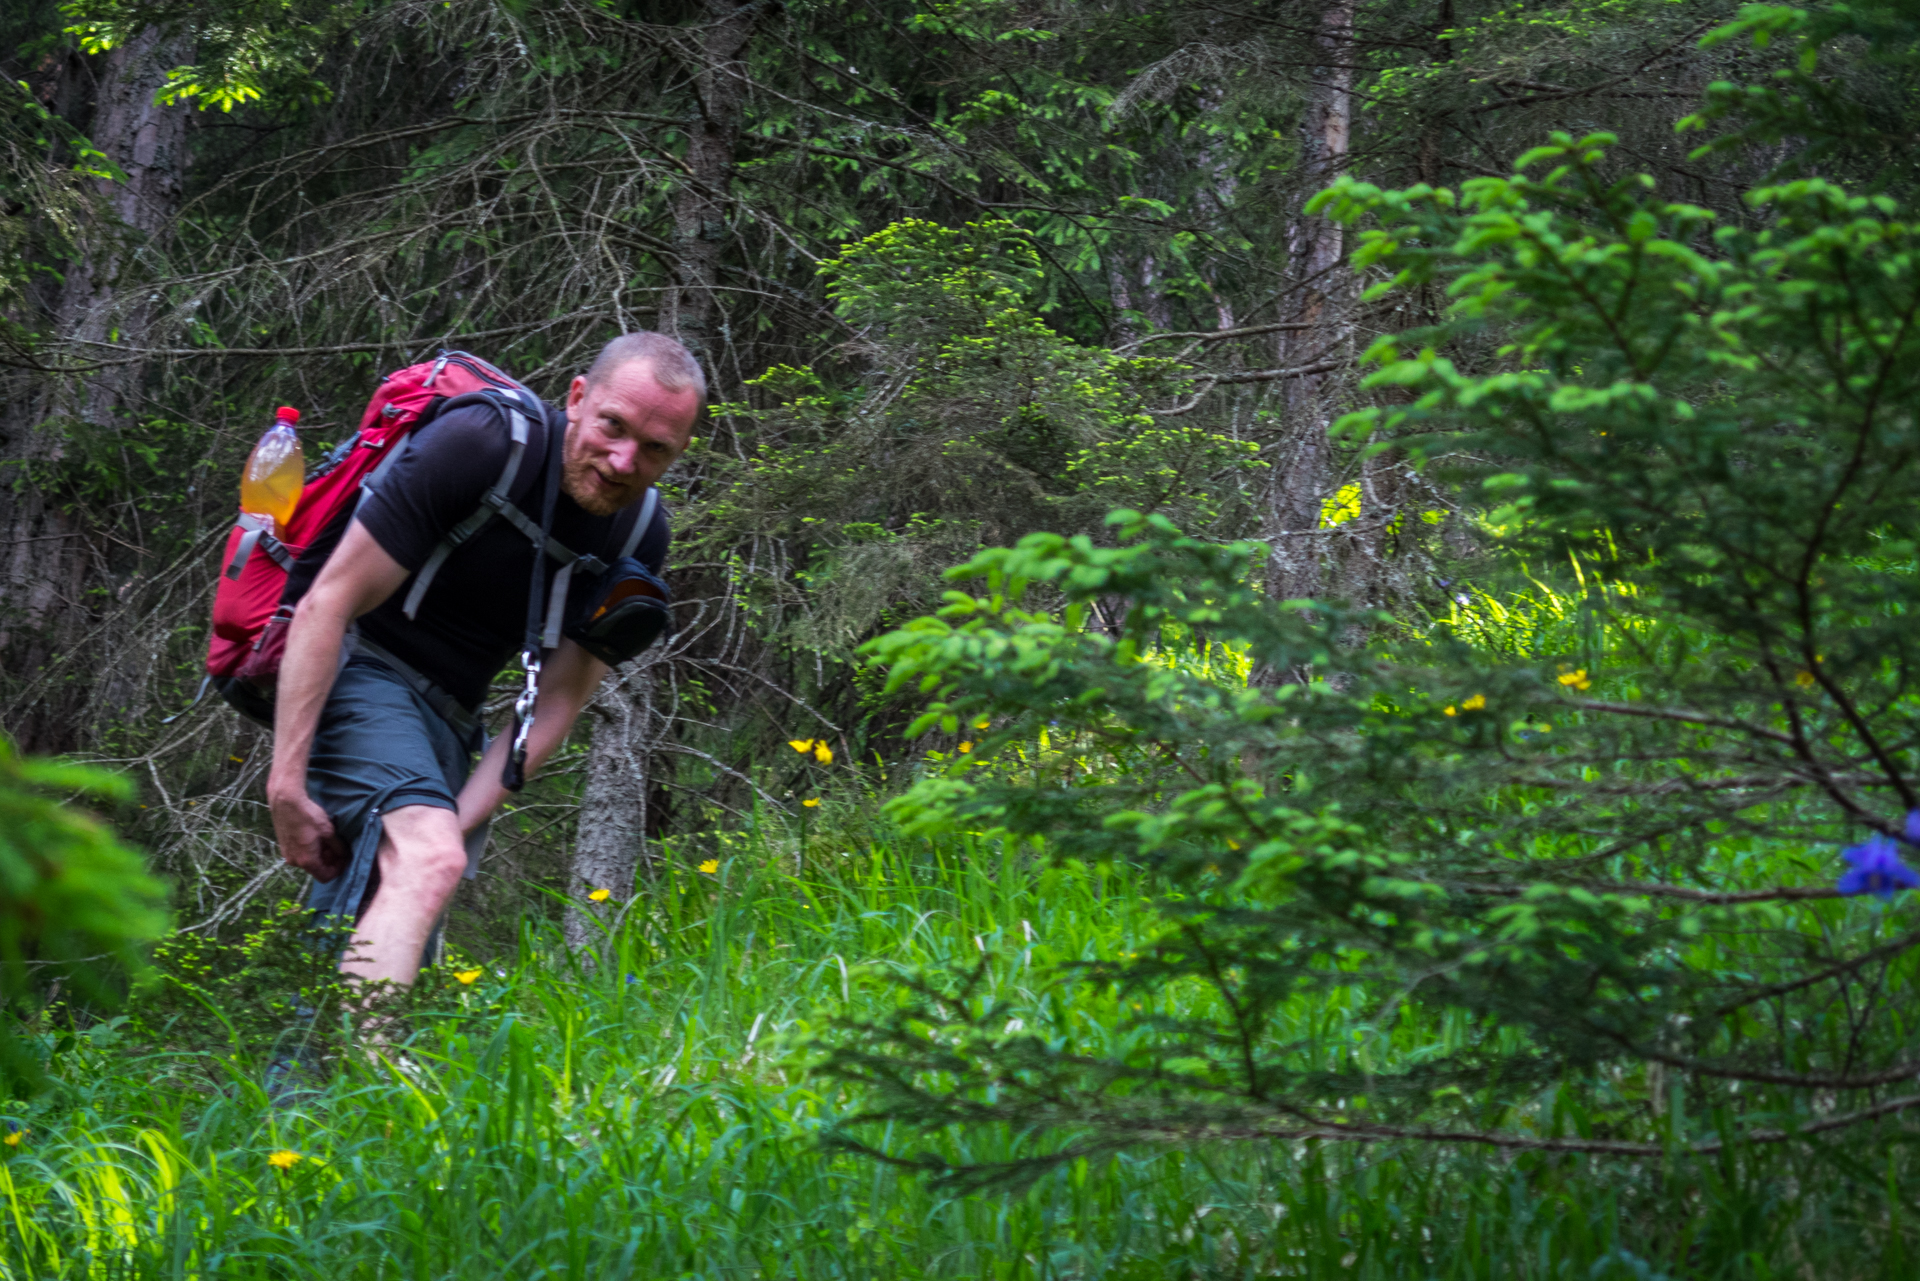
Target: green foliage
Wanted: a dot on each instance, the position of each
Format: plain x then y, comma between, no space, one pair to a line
1843,100
516,178
249,50
1592,861
74,901
43,205
1727,416
278,980
919,279
654,1118
986,423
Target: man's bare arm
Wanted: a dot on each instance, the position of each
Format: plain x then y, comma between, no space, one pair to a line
568,678
356,578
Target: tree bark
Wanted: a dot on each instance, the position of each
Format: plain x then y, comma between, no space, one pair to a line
611,844
700,205
46,565
1320,297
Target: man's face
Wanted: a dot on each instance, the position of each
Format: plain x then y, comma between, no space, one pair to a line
622,435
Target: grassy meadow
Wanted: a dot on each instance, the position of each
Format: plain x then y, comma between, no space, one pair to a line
652,1115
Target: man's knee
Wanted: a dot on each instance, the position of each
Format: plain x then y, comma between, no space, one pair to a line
420,847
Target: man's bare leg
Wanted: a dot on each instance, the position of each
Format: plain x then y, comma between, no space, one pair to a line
421,861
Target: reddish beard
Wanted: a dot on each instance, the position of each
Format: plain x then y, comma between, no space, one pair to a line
590,488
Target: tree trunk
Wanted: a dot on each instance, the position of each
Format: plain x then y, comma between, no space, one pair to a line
611,843
700,205
46,565
1320,297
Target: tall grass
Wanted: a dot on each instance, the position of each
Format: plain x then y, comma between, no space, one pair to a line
650,1115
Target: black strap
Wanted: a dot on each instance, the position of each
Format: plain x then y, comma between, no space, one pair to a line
494,500
258,537
513,775
438,699
556,463
586,563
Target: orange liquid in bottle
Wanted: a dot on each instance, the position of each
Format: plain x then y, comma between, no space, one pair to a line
276,472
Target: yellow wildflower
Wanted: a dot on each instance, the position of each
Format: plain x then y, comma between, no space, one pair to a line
600,896
1474,704
284,1159
1576,680
812,802
801,745
1232,844
468,976
1452,711
13,1139
711,866
981,723
823,753
966,747
1804,680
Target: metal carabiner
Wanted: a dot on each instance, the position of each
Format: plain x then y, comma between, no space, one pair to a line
513,776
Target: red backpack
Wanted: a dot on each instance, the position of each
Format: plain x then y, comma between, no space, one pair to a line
257,591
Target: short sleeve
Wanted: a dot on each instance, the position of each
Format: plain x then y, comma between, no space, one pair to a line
448,466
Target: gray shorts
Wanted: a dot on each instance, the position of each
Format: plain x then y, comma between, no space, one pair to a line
380,746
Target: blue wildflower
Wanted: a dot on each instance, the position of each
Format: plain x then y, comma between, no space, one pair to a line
1877,868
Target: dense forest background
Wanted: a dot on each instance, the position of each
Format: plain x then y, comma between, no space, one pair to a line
960,272
1427,482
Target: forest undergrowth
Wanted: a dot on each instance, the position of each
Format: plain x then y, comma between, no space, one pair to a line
653,1118
657,1108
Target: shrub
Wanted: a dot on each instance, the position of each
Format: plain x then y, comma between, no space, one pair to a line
1434,891
75,903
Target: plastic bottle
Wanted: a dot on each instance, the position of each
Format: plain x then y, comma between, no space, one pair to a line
276,471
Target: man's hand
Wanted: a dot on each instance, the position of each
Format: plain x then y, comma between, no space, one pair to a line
357,577
306,835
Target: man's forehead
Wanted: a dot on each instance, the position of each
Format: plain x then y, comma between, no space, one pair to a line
633,385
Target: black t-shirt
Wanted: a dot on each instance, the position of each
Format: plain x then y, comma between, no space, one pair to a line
473,618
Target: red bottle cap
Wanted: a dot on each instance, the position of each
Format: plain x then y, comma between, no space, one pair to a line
287,412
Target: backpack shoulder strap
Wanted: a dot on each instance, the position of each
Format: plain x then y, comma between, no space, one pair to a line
648,506
516,407
500,503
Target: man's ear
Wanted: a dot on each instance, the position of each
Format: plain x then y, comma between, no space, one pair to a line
576,392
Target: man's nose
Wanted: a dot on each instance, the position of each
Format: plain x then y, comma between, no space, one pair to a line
624,456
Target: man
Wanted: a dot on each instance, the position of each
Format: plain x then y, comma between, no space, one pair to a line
370,788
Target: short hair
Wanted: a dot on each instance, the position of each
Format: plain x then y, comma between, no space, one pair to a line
672,365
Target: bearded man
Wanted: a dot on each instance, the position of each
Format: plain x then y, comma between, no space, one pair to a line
391,651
